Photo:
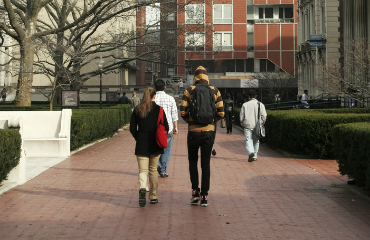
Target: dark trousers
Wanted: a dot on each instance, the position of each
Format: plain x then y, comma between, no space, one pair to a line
229,121
204,141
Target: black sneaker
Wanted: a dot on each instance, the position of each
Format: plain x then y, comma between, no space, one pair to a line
194,196
251,156
153,201
142,197
204,201
162,175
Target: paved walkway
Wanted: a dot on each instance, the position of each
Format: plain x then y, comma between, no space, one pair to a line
94,195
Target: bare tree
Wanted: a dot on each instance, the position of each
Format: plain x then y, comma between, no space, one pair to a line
274,83
351,77
25,26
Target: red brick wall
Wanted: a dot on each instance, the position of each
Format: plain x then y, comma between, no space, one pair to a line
275,57
288,62
240,40
260,37
287,37
240,11
274,36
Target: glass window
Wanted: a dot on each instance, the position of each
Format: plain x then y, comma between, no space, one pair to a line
170,71
281,13
171,35
249,65
229,65
263,65
269,13
194,14
239,65
149,66
289,12
194,41
171,17
270,66
222,41
222,13
260,13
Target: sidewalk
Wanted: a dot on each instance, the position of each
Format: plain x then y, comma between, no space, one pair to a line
94,195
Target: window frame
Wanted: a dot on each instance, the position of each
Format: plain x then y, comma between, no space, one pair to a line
222,14
167,71
171,17
284,12
223,47
194,20
187,46
264,12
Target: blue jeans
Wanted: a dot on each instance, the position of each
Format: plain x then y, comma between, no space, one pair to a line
251,144
165,157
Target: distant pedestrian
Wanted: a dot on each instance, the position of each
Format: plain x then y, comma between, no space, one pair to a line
3,94
304,99
169,106
201,129
239,100
229,112
124,99
168,82
248,120
118,96
134,101
143,126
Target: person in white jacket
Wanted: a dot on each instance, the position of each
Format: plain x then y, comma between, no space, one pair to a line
248,120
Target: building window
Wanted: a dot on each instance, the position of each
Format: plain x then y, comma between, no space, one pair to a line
149,66
286,12
249,65
194,41
170,71
222,13
194,14
171,17
223,41
266,66
266,12
171,35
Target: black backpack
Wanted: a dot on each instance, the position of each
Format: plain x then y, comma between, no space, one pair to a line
202,105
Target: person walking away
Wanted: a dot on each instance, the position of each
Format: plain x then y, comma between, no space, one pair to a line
3,94
134,101
201,128
181,86
248,120
124,99
304,99
118,96
169,106
229,112
143,127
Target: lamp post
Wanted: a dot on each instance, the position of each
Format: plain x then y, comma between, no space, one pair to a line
100,65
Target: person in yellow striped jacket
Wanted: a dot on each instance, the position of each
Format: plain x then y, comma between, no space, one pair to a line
200,136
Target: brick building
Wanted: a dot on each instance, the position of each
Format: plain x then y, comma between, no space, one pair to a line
231,38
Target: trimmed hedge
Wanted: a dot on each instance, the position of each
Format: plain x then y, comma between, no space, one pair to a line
10,151
306,131
88,125
350,142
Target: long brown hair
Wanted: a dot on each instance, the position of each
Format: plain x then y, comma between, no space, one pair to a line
146,103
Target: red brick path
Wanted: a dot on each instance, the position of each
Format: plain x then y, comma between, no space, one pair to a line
94,195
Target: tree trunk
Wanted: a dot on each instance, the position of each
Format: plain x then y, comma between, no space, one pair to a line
58,60
25,79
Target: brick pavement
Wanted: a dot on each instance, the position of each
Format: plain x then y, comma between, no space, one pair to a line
94,195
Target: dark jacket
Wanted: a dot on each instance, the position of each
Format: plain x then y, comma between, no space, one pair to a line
144,131
124,100
229,105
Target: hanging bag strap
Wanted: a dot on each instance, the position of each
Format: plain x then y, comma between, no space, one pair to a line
160,117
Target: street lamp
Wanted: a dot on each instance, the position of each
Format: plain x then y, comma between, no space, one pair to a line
100,65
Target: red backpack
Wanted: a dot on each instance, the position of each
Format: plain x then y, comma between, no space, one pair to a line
161,136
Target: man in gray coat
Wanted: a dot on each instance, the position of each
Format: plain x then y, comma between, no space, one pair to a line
248,120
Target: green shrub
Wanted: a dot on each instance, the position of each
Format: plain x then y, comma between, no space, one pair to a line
306,131
88,125
10,151
350,144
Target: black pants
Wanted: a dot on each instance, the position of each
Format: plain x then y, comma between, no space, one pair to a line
229,121
205,141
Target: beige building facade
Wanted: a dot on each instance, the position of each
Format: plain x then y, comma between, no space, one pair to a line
337,22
